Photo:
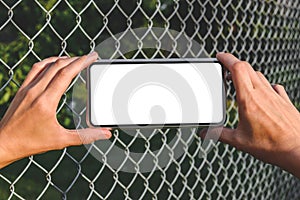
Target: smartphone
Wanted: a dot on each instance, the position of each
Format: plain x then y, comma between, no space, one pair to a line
155,93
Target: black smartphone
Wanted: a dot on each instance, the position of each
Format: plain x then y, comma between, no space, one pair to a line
155,93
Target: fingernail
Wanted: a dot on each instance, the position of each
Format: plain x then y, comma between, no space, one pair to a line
220,53
104,135
107,128
92,54
107,134
91,57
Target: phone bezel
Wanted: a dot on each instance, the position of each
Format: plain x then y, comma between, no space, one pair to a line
158,61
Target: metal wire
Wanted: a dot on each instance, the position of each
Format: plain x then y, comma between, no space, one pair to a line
265,33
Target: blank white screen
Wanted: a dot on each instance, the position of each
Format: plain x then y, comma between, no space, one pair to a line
156,93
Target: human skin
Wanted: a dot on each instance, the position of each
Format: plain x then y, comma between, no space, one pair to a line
269,124
268,128
30,126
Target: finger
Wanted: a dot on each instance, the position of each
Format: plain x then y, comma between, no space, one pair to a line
63,78
279,89
228,60
239,73
86,136
264,80
36,69
225,135
42,81
234,65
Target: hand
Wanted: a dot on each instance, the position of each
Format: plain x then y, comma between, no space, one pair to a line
269,124
30,125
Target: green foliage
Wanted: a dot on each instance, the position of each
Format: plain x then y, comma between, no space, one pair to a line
19,50
31,45
28,188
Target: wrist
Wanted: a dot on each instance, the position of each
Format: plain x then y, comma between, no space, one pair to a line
6,155
292,156
293,164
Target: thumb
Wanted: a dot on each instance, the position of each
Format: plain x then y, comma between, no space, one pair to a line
86,136
225,135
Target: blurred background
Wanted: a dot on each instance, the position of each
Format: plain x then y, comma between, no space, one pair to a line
266,33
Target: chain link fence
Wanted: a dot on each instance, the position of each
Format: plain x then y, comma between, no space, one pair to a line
266,33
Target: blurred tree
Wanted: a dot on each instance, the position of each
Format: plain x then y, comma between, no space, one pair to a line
35,31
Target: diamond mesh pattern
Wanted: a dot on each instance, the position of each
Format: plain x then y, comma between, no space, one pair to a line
265,33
